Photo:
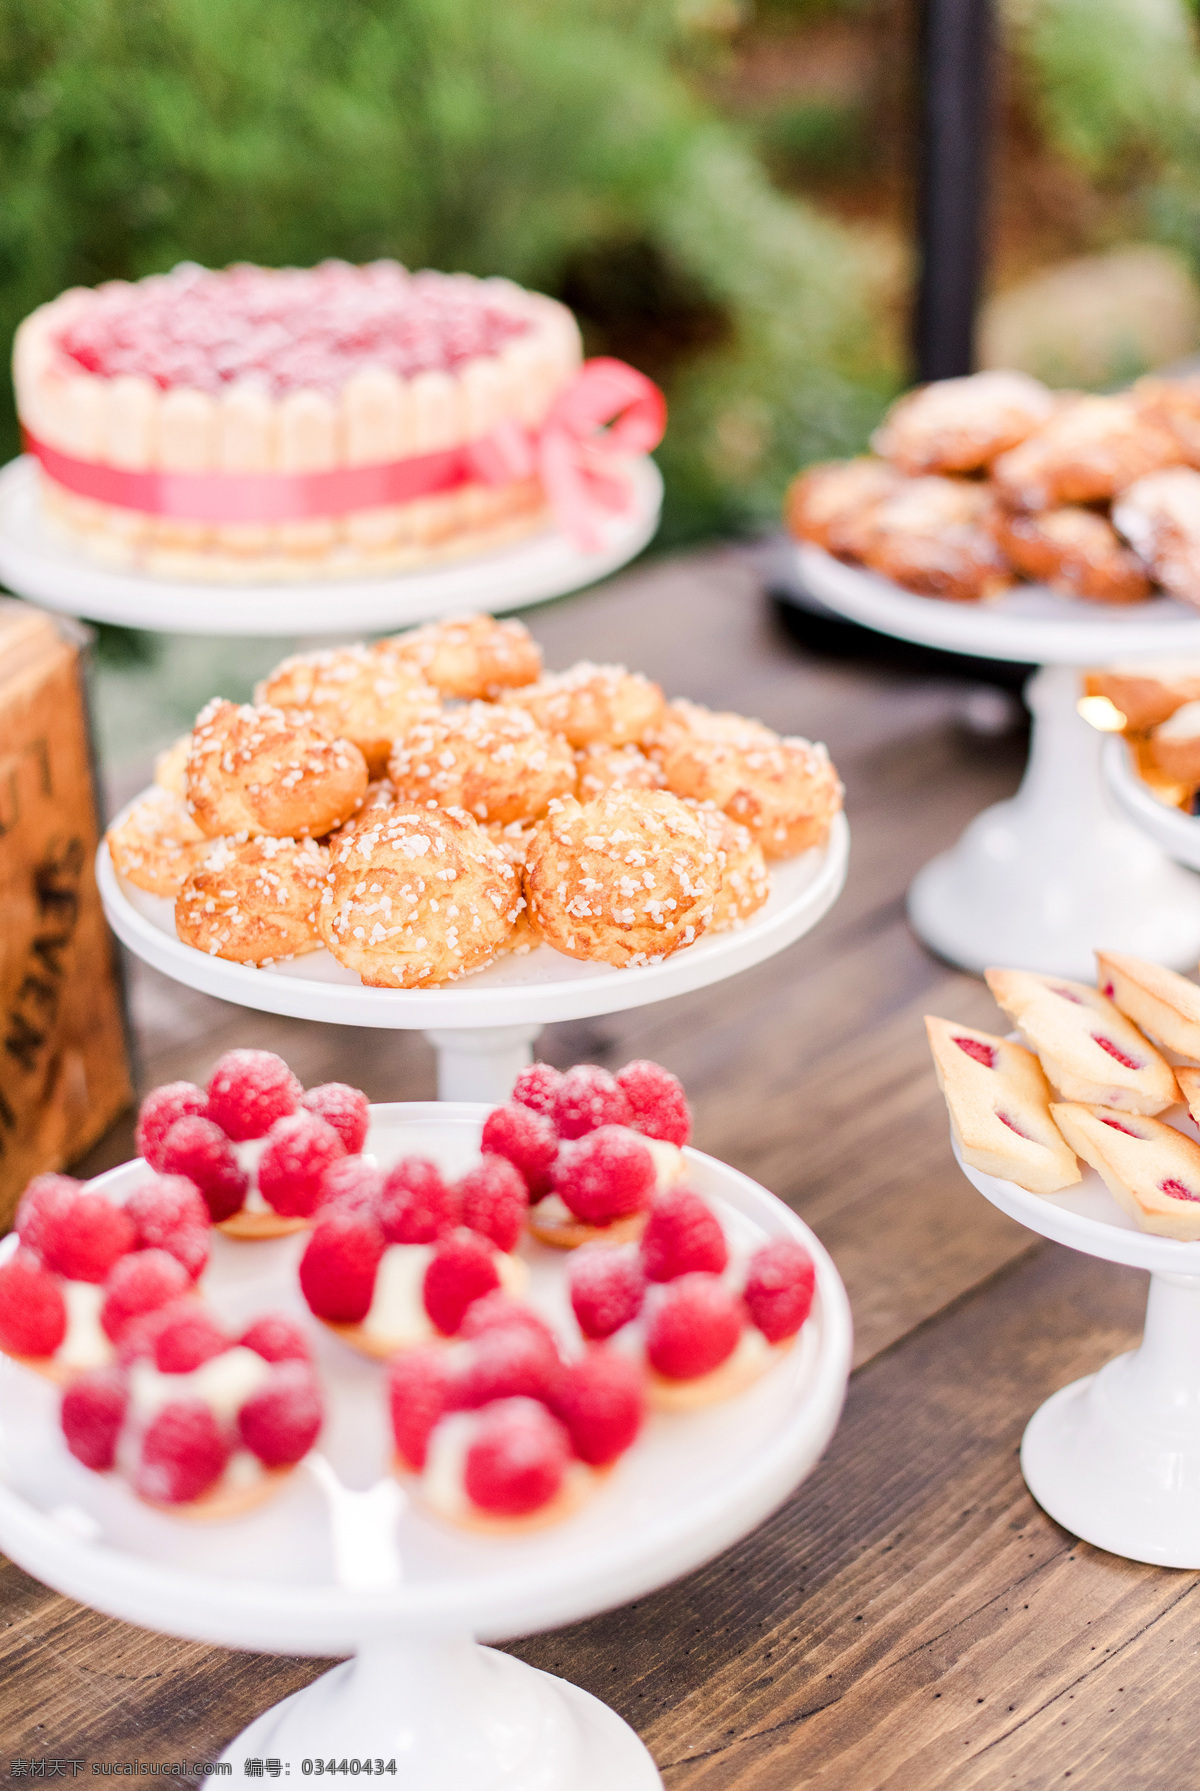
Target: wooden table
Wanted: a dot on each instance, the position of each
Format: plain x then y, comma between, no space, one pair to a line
910,1619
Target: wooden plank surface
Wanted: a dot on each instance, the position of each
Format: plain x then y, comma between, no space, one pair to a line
877,1630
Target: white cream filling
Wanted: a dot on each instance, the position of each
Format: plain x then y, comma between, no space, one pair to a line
445,1464
249,1155
224,1383
670,1164
1183,725
85,1344
397,1310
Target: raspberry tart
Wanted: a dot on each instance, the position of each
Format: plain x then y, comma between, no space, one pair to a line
291,423
198,1422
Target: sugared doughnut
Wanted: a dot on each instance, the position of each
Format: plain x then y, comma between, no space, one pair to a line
257,770
625,879
832,504
960,425
472,656
745,882
158,844
590,703
417,896
1075,551
1090,449
936,536
370,695
1160,518
254,901
492,759
600,767
783,789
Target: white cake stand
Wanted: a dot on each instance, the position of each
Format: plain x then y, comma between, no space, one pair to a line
484,1027
342,1563
1041,879
40,563
1115,1457
1178,834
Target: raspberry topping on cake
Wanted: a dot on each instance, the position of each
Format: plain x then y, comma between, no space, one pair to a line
416,1206
494,1201
281,1422
93,1411
344,1108
517,1460
657,1103
188,1337
607,1286
585,1098
83,1235
693,1326
141,1283
300,1148
462,1269
682,1234
604,1175
33,1312
184,1452
197,1149
337,1270
420,1392
352,1182
498,1310
779,1288
248,1091
600,1401
41,1199
536,1086
276,1339
159,1111
506,1362
976,1048
527,1138
170,1214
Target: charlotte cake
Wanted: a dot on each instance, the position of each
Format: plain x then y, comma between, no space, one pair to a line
999,1104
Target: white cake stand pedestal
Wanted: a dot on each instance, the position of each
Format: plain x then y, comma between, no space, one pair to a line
1039,880
483,1028
1178,834
342,1562
1115,1457
41,563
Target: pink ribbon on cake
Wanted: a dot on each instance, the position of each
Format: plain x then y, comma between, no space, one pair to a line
607,415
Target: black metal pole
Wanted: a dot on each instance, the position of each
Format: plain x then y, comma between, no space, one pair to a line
956,68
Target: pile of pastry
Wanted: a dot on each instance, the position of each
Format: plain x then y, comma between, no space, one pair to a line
1157,707
984,481
425,804
1088,1082
503,1414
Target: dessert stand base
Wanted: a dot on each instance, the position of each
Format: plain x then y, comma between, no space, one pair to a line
454,1717
1041,879
480,1063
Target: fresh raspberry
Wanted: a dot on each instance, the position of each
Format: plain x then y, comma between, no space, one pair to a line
587,1097
600,1401
159,1111
505,1363
170,1214
300,1148
92,1412
527,1139
535,1087
461,1269
344,1108
281,1422
416,1206
184,1452
189,1338
498,1310
607,1286
605,1175
248,1091
141,1283
337,1270
351,1181
44,1196
198,1149
419,1393
33,1312
276,1339
494,1201
657,1102
517,1460
683,1233
83,1237
138,1340
779,1288
693,1326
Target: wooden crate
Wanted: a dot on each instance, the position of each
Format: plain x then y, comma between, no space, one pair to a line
64,1068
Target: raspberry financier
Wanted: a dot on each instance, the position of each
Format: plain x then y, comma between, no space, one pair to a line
200,1423
1165,1005
1150,1169
1088,1049
498,1433
999,1102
